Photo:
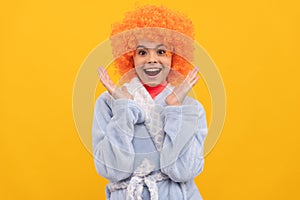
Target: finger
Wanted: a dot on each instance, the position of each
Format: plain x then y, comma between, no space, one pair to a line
195,80
100,70
198,70
103,75
196,76
100,74
194,72
105,79
189,74
187,79
192,81
193,75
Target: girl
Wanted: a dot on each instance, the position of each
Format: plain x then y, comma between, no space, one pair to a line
148,135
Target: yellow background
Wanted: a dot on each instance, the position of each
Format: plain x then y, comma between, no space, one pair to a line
255,45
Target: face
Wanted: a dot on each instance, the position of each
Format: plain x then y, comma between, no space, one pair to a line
152,62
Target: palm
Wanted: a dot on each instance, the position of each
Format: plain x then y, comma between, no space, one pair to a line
111,87
180,92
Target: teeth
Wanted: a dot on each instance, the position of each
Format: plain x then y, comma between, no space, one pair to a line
152,70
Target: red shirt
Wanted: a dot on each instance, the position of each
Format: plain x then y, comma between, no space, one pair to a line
154,91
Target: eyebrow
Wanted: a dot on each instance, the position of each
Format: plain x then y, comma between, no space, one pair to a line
142,46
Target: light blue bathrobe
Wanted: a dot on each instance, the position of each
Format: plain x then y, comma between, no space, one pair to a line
121,142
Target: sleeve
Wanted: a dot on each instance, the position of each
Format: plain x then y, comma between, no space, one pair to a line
112,135
186,129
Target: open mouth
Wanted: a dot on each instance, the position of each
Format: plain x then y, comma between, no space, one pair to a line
152,71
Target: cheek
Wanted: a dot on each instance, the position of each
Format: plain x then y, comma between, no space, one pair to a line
137,61
138,70
167,61
166,72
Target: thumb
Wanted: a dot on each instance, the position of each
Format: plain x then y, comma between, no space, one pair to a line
126,93
124,89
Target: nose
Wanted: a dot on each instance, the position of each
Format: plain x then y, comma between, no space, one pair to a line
152,58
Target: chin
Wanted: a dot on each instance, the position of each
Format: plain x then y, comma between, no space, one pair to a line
152,84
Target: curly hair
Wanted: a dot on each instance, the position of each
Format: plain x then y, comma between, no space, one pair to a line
153,23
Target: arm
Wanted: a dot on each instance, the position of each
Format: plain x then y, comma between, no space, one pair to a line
112,133
182,154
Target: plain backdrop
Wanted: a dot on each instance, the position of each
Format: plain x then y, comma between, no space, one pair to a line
255,45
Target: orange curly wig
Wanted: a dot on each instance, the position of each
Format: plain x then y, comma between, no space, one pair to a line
163,23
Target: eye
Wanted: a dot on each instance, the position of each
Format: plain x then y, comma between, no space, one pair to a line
161,52
141,52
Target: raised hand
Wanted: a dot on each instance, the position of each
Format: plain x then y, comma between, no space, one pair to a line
179,93
113,90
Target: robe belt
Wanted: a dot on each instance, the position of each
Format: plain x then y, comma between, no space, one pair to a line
136,183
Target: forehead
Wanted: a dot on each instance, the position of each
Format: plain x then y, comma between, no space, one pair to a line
150,44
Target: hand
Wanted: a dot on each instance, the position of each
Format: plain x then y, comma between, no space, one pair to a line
179,93
115,92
